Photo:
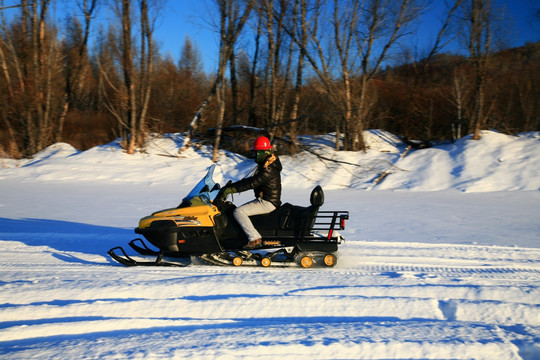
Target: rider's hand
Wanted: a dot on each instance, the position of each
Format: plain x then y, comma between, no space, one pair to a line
224,191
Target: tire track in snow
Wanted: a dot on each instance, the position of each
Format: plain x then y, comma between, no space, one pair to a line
363,267
450,271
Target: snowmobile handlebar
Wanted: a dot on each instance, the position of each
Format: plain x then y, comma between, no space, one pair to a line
222,195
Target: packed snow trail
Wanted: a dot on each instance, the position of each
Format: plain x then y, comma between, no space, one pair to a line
383,300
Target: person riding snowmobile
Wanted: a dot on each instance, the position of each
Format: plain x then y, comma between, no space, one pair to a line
266,183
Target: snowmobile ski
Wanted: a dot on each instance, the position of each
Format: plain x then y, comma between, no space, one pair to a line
126,260
142,249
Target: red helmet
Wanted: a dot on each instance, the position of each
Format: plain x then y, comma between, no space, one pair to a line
261,143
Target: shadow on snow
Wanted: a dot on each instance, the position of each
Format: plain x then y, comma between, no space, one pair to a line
64,237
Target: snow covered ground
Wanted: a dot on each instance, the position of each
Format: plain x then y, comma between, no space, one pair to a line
442,258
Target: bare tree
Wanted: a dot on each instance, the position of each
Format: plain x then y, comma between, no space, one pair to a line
129,118
232,20
273,13
282,65
528,90
31,63
253,82
234,87
233,15
76,59
132,99
444,34
459,94
298,18
421,104
361,36
479,18
146,70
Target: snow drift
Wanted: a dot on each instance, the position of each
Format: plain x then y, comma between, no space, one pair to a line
496,162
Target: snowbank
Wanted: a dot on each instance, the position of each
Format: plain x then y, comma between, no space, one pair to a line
496,162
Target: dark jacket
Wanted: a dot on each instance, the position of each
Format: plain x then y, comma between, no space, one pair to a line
266,182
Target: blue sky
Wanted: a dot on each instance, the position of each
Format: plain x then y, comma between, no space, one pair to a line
183,18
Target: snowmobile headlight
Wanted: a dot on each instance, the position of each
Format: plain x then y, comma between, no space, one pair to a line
186,220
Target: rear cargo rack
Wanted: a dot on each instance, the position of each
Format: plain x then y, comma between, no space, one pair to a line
319,229
330,221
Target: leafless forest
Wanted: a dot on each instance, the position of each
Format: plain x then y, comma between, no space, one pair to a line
287,67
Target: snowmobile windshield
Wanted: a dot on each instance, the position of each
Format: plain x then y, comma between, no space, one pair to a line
202,192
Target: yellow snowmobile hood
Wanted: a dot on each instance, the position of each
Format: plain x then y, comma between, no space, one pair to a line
194,215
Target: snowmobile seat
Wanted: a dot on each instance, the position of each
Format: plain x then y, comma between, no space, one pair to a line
284,215
301,219
287,220
274,223
290,220
317,197
307,216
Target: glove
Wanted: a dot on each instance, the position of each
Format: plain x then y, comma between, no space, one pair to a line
224,191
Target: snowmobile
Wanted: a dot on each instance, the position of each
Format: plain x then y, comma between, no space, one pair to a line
203,226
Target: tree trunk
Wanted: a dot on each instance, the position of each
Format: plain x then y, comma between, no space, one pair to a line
74,71
252,117
299,70
231,24
147,54
127,67
479,19
234,87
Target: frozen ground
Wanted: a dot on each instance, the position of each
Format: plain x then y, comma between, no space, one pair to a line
442,258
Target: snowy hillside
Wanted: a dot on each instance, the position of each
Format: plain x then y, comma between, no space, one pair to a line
441,259
497,162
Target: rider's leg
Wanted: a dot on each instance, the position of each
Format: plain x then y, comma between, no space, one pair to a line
255,207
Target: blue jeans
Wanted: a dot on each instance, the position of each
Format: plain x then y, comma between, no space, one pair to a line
255,207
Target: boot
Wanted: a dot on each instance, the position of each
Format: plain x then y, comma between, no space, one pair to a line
253,244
